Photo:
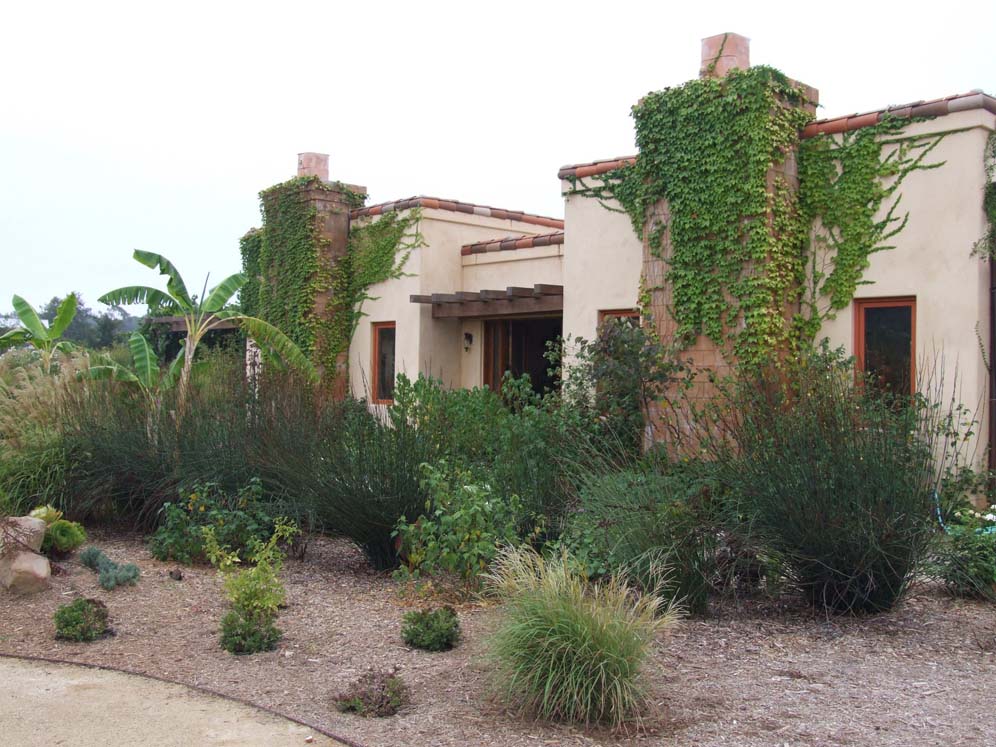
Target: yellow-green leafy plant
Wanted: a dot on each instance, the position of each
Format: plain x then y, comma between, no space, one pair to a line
568,649
255,594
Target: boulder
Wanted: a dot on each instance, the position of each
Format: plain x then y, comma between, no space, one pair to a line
26,530
23,572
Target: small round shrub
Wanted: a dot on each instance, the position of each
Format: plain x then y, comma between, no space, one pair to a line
242,634
48,514
965,560
376,693
63,537
569,650
431,630
81,620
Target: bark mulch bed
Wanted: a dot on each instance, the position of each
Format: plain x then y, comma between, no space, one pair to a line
751,674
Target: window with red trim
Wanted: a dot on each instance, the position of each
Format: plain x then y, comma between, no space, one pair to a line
885,342
383,362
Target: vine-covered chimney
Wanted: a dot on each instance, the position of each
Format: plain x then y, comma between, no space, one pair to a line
305,234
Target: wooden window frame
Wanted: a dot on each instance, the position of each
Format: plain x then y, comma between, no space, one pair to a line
376,327
503,352
604,314
860,304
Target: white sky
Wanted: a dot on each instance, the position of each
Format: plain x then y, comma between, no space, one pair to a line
155,125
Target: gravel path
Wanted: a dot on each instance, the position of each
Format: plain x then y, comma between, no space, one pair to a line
62,704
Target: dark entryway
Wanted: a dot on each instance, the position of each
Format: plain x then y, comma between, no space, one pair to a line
519,346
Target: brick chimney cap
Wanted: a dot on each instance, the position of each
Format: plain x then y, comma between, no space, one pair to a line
313,164
722,53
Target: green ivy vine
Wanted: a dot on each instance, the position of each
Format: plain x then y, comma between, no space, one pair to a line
844,183
742,252
378,251
287,264
707,148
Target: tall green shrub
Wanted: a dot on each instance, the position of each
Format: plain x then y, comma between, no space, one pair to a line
835,479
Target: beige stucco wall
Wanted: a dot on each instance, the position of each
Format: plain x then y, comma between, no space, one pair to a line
933,261
603,259
435,346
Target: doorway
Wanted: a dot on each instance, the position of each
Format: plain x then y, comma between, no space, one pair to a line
519,346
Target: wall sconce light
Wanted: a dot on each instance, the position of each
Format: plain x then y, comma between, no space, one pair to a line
468,340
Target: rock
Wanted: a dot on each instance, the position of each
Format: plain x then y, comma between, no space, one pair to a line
27,530
23,572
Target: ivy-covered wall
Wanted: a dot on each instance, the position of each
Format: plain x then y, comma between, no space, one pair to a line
754,236
310,270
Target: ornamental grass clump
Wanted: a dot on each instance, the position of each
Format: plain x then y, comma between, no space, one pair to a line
567,649
836,479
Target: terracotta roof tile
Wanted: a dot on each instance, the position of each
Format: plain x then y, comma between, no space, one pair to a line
516,242
458,207
936,108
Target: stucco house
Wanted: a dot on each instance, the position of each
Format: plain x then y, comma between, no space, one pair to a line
491,286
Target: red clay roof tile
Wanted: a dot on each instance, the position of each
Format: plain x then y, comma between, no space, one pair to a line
509,244
936,108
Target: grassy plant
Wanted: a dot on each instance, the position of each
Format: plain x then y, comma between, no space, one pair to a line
834,479
567,649
637,518
81,620
351,474
431,630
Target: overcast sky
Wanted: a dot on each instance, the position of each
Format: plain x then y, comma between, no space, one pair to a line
155,125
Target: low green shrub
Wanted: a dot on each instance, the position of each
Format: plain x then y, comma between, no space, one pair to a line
47,513
431,630
110,575
965,560
81,620
569,650
464,524
248,635
255,594
63,537
375,694
238,520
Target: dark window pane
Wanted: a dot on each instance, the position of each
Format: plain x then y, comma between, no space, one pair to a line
385,363
889,346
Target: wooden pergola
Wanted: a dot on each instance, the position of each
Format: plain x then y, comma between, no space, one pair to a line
513,301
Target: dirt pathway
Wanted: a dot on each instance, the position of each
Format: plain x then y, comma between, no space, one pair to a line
63,704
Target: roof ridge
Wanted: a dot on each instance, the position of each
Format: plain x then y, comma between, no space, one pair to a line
468,208
974,99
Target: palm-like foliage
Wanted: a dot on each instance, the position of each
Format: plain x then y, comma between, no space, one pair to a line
33,331
203,315
145,373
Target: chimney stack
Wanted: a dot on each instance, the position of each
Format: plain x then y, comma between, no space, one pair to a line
313,164
722,53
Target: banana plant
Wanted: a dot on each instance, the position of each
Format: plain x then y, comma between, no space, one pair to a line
144,374
33,331
203,315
